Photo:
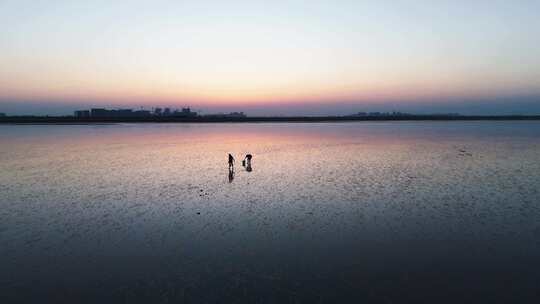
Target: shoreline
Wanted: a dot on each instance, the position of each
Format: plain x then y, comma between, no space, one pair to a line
296,119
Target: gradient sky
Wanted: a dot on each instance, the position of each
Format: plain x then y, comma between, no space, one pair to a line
271,57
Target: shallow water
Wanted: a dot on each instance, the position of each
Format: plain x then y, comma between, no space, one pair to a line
383,212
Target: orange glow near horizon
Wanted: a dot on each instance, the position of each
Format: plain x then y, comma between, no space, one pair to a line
238,96
136,88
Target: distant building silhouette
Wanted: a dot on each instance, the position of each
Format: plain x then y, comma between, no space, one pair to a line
2,114
142,113
99,113
236,114
186,112
104,113
82,114
380,114
229,115
122,113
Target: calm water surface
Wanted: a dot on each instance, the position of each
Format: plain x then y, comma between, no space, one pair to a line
382,212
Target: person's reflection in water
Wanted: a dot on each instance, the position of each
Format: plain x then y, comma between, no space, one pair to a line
231,175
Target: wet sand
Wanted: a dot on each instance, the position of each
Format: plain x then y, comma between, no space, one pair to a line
348,212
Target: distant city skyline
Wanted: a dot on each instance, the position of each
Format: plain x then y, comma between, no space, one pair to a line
503,105
271,58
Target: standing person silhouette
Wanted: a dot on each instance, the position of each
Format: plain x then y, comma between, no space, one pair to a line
231,162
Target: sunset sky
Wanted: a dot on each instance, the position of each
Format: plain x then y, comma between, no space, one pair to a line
271,57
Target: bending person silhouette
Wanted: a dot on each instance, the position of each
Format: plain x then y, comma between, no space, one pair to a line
247,162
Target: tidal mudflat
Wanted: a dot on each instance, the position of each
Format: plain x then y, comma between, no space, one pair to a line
382,212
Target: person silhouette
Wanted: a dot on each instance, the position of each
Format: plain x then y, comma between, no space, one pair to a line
248,159
231,161
247,162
